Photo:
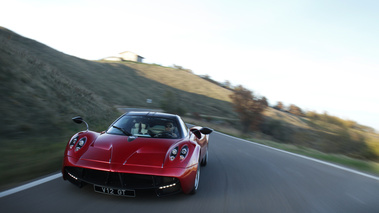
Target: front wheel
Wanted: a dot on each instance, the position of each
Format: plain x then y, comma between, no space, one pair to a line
204,161
197,179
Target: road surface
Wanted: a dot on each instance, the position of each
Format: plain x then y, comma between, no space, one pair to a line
240,177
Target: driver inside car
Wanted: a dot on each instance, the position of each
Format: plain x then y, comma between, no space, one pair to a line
169,127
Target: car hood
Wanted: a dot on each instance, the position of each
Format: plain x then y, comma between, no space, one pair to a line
123,150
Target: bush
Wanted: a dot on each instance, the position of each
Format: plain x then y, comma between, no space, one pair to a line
171,103
276,129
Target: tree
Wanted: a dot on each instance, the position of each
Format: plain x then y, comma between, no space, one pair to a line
248,107
264,101
279,106
227,84
177,67
295,110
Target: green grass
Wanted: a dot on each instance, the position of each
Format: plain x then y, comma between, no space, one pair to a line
366,166
360,165
29,159
41,89
181,80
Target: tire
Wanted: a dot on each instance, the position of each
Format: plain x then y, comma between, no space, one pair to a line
204,161
197,180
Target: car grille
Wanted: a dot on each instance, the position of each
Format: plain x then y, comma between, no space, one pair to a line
119,180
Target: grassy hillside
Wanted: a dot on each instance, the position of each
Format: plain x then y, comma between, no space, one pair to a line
321,135
37,100
43,86
41,89
181,79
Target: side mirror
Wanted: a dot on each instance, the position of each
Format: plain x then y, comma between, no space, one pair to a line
206,130
79,120
196,133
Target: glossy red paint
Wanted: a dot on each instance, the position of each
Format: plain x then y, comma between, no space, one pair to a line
138,155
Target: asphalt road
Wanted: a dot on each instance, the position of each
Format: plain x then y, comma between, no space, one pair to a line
240,177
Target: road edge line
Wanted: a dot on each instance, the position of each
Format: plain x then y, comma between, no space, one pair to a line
55,176
29,185
308,158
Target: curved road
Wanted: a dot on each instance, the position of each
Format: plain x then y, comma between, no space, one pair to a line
240,177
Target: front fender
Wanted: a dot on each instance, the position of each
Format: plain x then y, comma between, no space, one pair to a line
90,138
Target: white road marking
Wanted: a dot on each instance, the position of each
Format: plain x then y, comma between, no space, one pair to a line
356,199
52,177
29,185
308,158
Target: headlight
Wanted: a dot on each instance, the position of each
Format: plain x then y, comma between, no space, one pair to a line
173,153
73,141
183,152
80,144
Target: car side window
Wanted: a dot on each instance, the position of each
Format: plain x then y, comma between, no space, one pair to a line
183,128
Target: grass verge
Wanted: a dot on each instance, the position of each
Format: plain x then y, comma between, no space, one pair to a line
40,156
30,159
368,167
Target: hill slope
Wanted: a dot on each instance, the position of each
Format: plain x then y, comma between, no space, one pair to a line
38,96
43,86
41,89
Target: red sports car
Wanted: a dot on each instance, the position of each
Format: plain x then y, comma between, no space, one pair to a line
140,150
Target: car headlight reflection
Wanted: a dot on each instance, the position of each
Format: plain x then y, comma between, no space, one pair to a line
183,152
173,153
80,144
73,142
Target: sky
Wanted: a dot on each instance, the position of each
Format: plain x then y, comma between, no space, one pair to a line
321,55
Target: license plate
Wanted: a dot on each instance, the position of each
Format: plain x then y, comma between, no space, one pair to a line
114,191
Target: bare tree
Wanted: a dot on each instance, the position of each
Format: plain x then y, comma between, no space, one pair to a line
248,107
279,106
293,109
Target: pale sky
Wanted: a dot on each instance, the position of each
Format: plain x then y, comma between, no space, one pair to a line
321,55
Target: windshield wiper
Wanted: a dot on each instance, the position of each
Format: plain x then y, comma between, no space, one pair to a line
122,130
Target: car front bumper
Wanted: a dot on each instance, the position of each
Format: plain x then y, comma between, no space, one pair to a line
164,181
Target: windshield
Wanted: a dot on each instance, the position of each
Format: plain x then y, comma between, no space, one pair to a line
146,126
